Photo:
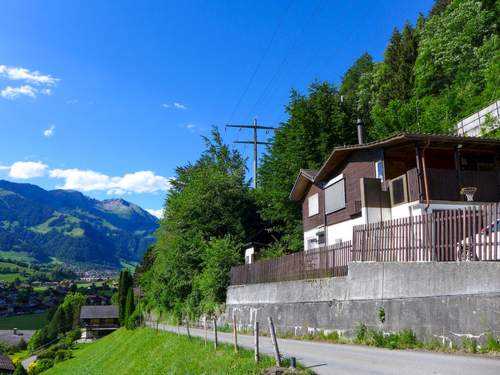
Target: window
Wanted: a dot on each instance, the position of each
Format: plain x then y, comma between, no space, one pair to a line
335,196
379,170
312,243
398,190
313,203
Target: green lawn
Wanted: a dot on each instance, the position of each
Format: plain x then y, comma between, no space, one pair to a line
26,321
145,351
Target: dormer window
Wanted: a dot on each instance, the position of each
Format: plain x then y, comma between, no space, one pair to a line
313,204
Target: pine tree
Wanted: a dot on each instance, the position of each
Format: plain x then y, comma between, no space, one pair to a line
129,308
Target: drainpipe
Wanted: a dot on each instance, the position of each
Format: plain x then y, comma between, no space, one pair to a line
426,183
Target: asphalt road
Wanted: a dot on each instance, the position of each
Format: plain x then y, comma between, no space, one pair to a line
360,360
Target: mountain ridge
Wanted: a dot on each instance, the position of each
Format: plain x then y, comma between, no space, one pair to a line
71,226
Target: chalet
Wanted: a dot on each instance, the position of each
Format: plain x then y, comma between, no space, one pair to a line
398,177
98,321
6,365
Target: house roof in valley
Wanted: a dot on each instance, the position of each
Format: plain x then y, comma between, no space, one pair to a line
6,364
340,153
99,312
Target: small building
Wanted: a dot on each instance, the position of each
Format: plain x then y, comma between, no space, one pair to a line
98,321
395,178
6,365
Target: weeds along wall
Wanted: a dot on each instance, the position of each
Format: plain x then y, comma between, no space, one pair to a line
444,300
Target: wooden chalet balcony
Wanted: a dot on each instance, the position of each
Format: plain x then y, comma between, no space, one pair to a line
445,185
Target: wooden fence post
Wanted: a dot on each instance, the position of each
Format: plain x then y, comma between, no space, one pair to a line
187,328
215,333
235,333
275,342
205,328
256,340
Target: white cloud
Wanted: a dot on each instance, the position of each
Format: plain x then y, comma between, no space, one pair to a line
175,105
27,169
23,74
50,131
72,101
88,180
157,213
15,92
4,167
46,91
179,106
190,126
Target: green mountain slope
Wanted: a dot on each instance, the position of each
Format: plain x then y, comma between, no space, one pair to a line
145,351
71,226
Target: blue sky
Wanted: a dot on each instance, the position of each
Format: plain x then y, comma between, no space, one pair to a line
108,97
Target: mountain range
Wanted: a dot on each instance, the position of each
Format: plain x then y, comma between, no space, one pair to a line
71,227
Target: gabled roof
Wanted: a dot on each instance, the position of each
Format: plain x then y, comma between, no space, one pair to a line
339,154
99,312
302,182
6,364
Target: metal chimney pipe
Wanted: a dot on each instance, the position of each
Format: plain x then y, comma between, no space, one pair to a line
361,131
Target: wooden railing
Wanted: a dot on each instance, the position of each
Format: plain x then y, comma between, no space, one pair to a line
312,264
469,234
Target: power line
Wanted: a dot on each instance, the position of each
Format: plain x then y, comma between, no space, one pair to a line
261,60
255,143
279,69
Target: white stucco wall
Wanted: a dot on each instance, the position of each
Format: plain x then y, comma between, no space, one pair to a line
342,231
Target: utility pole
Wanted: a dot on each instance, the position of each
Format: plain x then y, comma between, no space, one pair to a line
255,142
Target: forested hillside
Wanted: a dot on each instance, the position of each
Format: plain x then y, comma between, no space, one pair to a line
71,227
433,73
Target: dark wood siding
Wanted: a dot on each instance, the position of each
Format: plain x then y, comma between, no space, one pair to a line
360,164
316,220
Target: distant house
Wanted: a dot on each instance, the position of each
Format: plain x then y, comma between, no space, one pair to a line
6,365
98,321
398,177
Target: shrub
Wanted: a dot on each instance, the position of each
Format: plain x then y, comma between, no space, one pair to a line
407,339
376,338
360,333
469,344
63,355
491,343
40,366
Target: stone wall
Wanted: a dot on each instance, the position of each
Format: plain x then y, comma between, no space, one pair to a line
445,300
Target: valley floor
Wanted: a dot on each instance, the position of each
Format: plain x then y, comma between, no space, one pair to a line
146,351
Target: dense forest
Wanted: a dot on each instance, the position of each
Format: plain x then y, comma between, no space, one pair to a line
433,73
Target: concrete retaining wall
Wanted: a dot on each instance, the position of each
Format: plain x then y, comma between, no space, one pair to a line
445,300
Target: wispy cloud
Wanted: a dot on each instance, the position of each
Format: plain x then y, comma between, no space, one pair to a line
175,105
24,170
23,74
15,92
50,131
157,213
179,106
35,82
72,101
190,126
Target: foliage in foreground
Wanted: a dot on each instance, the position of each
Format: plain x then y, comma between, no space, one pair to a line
145,351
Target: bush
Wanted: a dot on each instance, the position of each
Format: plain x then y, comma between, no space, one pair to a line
40,366
469,344
491,343
63,355
360,333
375,338
407,339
